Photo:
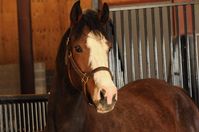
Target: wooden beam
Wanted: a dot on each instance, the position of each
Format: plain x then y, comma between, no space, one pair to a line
126,2
180,15
86,4
25,47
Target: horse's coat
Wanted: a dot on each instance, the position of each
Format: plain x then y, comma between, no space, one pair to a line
148,105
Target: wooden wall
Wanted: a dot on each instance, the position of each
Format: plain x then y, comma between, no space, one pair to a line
50,19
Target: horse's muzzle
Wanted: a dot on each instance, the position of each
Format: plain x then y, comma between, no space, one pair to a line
102,106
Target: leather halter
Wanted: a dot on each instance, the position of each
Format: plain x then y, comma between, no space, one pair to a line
85,76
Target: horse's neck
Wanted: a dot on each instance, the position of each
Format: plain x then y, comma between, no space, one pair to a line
71,109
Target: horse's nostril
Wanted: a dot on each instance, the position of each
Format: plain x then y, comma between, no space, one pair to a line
102,94
114,98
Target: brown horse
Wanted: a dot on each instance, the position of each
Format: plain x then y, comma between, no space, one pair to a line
85,98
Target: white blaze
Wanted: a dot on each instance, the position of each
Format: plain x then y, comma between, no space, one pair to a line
99,57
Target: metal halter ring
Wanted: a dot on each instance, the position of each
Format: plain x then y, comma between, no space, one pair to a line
84,79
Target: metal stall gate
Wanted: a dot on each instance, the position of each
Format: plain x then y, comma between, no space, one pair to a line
157,41
24,113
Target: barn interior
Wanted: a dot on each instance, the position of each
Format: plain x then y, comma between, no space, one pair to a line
153,39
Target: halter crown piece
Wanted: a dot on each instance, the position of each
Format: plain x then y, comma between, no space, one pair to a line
83,75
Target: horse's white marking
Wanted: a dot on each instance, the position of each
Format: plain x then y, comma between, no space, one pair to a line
99,57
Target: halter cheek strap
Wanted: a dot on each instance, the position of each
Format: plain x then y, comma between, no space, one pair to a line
84,76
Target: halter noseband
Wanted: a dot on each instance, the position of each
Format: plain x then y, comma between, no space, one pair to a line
83,75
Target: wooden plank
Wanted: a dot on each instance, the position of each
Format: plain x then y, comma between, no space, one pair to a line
86,4
9,79
125,2
8,32
50,19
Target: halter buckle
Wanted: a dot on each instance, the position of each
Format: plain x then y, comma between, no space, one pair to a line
84,79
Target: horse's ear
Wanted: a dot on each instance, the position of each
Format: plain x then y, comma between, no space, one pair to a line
75,13
104,14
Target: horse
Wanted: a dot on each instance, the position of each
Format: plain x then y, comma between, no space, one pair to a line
85,99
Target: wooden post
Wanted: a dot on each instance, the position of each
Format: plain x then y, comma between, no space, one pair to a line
25,47
181,18
126,2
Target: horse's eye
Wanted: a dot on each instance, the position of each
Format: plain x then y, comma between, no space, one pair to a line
78,49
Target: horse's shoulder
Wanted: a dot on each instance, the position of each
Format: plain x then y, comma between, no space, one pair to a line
154,96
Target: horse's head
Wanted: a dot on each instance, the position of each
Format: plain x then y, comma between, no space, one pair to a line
88,44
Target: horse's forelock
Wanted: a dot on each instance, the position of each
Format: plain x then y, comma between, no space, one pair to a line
91,21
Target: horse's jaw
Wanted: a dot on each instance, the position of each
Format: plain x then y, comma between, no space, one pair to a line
103,108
